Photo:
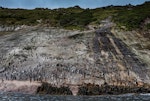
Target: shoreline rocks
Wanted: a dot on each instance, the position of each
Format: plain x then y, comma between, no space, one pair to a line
91,89
47,88
19,86
105,89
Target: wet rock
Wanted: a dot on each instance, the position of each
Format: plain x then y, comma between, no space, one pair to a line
92,89
46,88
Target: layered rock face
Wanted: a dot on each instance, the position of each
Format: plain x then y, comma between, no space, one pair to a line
72,58
11,28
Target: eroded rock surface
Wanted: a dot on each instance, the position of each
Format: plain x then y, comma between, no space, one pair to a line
71,58
11,28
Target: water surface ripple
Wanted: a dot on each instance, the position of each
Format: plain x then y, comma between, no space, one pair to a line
28,97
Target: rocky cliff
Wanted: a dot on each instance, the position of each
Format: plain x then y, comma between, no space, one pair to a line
72,58
6,28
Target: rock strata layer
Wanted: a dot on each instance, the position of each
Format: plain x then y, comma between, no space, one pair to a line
71,58
5,28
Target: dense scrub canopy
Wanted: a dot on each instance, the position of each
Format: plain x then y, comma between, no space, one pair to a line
132,17
77,18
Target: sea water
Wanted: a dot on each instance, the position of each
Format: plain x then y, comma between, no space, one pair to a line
27,97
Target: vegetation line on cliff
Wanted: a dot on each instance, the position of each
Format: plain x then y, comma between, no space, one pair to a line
77,18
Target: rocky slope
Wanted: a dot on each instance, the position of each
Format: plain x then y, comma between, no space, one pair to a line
6,28
72,58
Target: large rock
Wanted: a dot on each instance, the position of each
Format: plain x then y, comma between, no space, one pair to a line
72,58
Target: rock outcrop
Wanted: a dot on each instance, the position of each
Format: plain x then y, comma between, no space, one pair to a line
72,58
5,28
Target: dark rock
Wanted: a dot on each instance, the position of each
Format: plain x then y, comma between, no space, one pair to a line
92,89
46,88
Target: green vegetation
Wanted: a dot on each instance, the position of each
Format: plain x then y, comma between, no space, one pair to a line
77,18
133,17
148,26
